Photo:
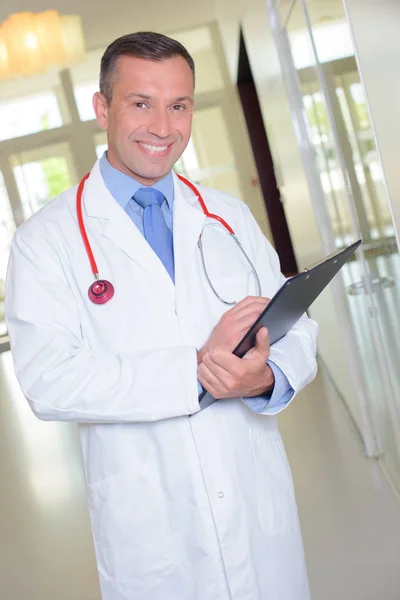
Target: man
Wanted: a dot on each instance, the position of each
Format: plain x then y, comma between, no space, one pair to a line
185,503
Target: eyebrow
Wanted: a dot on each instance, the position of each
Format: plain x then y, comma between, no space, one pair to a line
137,95
146,97
184,99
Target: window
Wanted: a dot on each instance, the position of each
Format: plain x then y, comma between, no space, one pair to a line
84,96
42,174
29,114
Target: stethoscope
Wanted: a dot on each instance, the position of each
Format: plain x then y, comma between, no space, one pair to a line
101,291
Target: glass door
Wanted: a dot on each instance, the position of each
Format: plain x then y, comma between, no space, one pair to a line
331,112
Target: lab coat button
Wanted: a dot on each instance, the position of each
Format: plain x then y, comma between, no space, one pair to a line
221,494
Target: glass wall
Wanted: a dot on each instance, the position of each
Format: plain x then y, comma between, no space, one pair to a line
347,183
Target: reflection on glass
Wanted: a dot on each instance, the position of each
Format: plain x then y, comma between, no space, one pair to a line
374,317
333,42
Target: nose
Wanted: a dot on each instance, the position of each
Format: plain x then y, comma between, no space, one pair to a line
159,124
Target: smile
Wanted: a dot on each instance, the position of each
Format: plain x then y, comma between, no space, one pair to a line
151,148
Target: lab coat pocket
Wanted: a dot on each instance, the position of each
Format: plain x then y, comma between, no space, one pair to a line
132,535
234,287
275,492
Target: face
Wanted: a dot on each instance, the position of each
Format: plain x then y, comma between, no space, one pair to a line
149,119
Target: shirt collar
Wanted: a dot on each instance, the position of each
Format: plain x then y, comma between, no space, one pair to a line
122,187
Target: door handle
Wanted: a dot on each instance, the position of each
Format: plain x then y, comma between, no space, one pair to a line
355,289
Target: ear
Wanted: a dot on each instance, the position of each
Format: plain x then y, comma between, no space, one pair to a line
101,109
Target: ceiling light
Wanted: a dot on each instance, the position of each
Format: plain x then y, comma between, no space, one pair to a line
31,43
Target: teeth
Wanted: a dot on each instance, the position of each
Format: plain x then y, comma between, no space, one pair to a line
154,148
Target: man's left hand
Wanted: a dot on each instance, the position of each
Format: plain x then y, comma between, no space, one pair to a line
224,375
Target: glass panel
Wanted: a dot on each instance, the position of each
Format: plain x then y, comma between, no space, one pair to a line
42,174
368,202
368,168
29,114
284,8
7,228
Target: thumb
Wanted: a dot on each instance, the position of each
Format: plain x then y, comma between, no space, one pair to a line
261,347
262,341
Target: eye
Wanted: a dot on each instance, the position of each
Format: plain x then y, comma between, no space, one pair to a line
140,105
178,107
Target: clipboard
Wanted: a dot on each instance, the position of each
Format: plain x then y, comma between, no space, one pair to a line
290,302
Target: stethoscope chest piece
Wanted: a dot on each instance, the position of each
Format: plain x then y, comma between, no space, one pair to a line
101,291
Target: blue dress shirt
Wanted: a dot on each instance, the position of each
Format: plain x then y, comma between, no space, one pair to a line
122,187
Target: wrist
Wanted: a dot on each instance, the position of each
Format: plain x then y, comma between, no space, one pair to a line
269,380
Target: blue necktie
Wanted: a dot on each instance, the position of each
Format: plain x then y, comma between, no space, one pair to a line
156,230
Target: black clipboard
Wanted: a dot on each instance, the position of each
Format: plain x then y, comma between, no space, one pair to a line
290,302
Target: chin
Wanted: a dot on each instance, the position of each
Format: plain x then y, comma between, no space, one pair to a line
154,173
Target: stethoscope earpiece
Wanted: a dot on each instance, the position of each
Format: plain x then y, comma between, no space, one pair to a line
101,291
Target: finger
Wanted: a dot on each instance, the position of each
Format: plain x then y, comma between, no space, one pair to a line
248,314
251,304
225,360
261,349
255,301
210,382
224,373
243,324
262,342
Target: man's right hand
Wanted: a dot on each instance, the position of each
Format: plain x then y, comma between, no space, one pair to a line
233,325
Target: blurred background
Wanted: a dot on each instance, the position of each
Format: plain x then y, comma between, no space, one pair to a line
296,114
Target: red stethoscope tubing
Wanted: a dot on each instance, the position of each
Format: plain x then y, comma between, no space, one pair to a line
82,227
204,207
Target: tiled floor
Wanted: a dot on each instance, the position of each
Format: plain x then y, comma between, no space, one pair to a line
350,518
349,515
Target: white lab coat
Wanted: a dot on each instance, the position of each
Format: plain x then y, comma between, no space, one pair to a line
198,508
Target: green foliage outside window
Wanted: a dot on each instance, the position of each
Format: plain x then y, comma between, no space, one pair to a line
56,175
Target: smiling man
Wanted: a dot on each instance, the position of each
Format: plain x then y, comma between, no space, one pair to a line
146,107
185,503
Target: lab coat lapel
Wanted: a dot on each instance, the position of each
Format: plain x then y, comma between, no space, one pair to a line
188,223
119,228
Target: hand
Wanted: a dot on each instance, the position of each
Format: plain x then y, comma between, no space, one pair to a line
233,325
227,376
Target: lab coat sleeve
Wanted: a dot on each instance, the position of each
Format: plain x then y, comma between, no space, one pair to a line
295,354
280,396
61,377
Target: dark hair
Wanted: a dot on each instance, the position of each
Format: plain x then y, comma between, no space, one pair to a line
143,44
